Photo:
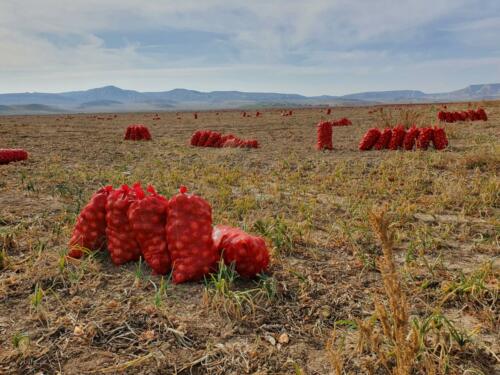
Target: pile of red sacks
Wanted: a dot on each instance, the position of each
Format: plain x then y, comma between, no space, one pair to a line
342,122
399,138
170,234
8,155
137,133
325,132
469,115
209,138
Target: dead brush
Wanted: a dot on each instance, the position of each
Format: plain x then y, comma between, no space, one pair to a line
400,339
393,340
405,117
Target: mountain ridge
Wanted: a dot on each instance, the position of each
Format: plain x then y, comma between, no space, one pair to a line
114,99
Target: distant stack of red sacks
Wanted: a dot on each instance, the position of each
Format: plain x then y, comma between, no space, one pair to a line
287,113
342,122
399,138
209,138
170,234
325,133
137,133
9,155
469,115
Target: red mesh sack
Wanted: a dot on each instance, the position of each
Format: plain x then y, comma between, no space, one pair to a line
232,142
195,138
369,139
146,135
253,143
329,111
248,253
456,116
12,155
384,139
137,132
249,143
226,138
127,133
481,114
397,138
449,117
441,116
465,115
89,233
147,216
213,139
410,138
325,132
204,137
122,244
189,237
342,122
439,139
425,137
472,115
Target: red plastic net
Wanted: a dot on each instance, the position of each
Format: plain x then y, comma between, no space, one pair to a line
248,253
147,216
189,236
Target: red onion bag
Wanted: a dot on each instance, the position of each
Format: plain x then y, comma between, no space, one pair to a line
398,136
384,139
425,137
122,244
90,229
148,217
439,140
410,138
248,253
195,138
325,133
189,237
369,139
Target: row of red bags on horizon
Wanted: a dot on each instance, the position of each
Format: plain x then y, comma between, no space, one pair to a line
170,234
209,138
398,137
8,155
137,133
342,122
472,115
244,114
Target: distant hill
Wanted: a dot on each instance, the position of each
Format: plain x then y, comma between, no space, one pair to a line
115,99
28,109
100,103
388,96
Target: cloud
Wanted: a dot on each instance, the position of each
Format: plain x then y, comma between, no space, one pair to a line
364,39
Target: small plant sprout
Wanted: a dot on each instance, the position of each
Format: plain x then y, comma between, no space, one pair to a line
161,291
37,297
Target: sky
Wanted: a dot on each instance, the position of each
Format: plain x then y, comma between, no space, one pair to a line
312,47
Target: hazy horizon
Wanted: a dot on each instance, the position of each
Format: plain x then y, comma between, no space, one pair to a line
234,89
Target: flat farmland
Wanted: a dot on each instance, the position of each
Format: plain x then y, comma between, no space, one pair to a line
335,223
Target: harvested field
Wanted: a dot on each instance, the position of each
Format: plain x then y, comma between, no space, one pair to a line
331,301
